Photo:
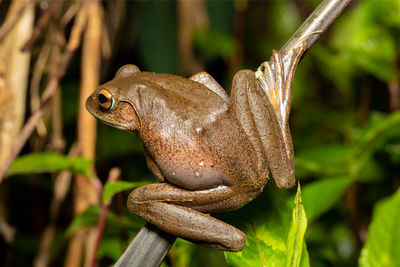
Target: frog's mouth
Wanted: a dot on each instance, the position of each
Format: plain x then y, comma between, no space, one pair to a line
103,118
118,126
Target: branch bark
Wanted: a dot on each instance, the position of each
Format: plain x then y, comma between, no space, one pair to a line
147,249
86,192
316,23
151,244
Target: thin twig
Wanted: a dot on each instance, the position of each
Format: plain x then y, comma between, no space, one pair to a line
48,93
114,175
61,187
7,231
142,251
87,191
11,21
37,74
317,23
394,92
147,249
42,22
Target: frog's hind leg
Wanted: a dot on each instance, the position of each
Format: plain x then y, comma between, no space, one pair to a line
256,114
276,79
161,205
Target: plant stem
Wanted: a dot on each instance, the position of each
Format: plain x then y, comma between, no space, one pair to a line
317,23
148,249
47,95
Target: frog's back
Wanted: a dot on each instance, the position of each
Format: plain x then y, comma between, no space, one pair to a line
183,94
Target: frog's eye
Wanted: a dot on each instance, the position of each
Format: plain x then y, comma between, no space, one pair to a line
106,100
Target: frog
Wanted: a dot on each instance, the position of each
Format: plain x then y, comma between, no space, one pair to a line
210,152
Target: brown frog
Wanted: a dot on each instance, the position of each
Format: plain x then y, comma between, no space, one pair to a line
209,152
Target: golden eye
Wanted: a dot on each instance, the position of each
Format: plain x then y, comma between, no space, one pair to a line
105,98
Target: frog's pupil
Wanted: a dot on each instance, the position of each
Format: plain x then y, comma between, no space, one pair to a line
102,99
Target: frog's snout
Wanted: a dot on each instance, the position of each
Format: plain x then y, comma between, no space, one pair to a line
89,101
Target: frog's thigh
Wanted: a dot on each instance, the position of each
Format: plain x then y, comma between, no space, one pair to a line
159,205
271,135
197,199
258,118
206,79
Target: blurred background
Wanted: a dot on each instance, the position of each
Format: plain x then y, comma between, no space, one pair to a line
53,54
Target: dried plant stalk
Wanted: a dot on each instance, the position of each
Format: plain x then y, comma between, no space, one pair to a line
86,193
61,186
16,11
14,73
191,14
51,89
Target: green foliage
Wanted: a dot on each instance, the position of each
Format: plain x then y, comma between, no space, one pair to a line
91,215
111,247
274,234
321,195
49,162
329,160
382,246
372,45
375,134
295,256
213,43
111,188
157,37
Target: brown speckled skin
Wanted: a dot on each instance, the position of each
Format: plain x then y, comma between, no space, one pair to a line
209,152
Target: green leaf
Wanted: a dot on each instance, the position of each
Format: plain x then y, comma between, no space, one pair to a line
372,46
183,252
110,247
323,161
90,217
214,43
321,195
266,222
372,137
112,188
49,162
382,246
156,43
295,241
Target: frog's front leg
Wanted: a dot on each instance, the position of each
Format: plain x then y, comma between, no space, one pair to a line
176,211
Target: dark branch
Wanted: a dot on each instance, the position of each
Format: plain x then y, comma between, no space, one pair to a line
317,23
148,249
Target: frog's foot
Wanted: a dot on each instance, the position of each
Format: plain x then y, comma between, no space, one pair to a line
276,77
162,205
